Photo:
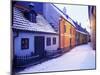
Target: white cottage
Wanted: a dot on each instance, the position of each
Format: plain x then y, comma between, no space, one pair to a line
33,39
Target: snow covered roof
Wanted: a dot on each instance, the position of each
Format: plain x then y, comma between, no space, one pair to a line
19,22
64,15
80,29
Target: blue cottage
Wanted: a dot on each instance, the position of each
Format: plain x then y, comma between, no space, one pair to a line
32,38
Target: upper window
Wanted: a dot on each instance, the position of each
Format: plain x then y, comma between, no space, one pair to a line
30,15
48,41
24,43
65,29
54,40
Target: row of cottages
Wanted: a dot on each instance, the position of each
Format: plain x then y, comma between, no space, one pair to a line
92,18
33,36
71,33
42,29
62,25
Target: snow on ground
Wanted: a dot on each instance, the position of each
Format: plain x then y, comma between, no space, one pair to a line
80,57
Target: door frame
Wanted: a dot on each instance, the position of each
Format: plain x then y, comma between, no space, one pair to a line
43,42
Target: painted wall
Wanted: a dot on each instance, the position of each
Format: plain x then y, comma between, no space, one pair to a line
17,43
64,33
67,34
52,47
30,35
73,36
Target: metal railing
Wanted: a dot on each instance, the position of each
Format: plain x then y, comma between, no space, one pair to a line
24,60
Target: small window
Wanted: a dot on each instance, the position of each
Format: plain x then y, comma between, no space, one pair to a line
65,29
54,40
24,43
48,41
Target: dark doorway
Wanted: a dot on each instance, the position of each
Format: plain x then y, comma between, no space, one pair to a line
39,45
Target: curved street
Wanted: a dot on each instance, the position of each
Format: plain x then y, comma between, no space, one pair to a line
80,57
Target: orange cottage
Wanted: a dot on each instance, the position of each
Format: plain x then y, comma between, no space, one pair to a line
66,35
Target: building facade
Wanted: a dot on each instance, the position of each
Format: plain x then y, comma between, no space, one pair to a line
32,40
92,17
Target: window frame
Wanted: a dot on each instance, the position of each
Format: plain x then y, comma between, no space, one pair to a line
54,40
48,41
23,45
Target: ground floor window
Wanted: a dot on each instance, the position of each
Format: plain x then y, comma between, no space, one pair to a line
54,40
25,43
48,41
